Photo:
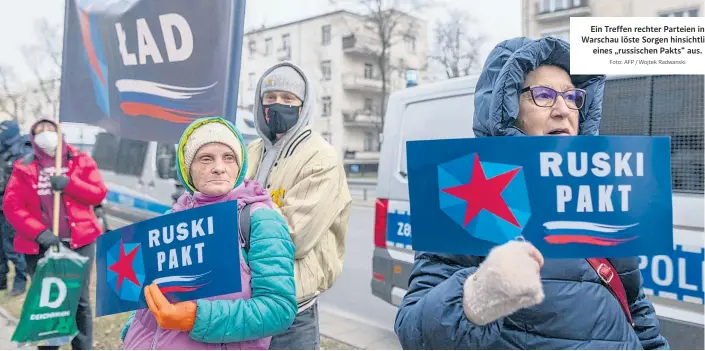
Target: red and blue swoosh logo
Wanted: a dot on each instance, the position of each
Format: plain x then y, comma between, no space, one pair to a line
181,283
166,102
579,232
172,103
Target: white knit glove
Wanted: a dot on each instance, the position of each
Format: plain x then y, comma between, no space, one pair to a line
508,280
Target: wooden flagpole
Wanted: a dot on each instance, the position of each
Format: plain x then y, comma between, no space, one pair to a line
57,172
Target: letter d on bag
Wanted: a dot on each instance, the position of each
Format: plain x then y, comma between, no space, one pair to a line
46,292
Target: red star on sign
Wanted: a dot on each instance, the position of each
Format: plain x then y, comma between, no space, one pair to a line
485,194
123,266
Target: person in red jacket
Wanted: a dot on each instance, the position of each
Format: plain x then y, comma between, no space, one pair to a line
29,201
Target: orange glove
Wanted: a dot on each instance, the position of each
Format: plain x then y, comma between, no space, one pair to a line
178,316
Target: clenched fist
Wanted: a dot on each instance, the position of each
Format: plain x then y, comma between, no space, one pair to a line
508,280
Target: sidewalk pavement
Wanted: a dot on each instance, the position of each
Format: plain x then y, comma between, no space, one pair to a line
356,333
7,327
333,325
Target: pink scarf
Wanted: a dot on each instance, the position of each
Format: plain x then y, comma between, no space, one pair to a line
249,192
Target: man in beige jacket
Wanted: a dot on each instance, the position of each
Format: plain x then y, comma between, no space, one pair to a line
306,179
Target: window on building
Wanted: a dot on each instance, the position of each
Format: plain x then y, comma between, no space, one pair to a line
410,42
251,81
559,5
252,48
285,42
557,33
370,142
325,34
327,106
681,13
367,105
326,70
268,46
369,70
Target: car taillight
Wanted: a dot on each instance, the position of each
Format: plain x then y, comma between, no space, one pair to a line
381,223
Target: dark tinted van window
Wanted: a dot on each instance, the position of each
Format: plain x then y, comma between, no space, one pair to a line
166,152
662,106
131,156
105,151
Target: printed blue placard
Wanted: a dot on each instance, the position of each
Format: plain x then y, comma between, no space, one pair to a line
571,197
190,255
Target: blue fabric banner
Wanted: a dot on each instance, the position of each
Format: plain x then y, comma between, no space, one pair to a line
144,69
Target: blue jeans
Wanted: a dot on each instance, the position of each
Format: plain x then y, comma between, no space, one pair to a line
304,334
7,253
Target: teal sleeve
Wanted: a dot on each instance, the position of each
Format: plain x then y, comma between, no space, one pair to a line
127,326
273,306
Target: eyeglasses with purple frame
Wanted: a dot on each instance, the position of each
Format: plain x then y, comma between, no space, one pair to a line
546,97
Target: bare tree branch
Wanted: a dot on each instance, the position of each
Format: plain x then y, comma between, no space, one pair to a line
389,25
51,40
44,61
12,102
457,45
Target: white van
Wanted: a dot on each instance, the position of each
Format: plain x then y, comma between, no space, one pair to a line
141,175
644,105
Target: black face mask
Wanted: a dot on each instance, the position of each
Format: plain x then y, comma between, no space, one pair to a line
280,118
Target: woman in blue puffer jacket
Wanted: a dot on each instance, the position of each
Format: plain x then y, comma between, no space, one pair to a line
512,299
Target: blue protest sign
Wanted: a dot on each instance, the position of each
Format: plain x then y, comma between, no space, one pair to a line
572,197
190,255
144,69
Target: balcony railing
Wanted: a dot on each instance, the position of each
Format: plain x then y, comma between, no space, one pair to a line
358,82
361,155
558,9
361,118
360,44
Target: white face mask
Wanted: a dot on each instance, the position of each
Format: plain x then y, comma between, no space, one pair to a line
47,141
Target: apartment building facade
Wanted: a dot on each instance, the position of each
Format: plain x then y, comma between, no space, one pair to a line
542,18
339,52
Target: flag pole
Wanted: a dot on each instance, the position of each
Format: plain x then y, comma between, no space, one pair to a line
59,146
57,172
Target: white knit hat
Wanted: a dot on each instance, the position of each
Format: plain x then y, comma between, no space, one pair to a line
213,132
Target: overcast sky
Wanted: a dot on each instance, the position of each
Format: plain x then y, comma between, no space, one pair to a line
497,19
